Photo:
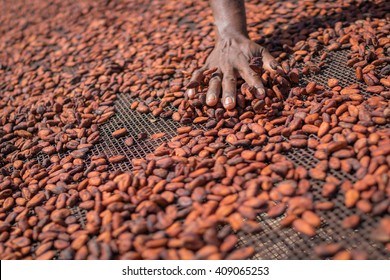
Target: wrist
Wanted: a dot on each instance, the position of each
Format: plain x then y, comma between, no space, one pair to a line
229,34
230,18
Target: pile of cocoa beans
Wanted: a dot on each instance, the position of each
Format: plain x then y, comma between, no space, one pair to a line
62,65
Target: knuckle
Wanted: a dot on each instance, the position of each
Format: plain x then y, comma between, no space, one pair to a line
229,78
211,91
197,72
260,51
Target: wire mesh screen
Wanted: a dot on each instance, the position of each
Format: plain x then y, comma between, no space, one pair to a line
272,242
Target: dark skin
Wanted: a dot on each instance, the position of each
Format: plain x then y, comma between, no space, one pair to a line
231,55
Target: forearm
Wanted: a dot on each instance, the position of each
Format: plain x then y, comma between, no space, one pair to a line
229,17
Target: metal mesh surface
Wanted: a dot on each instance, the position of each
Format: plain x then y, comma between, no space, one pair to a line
336,67
272,242
135,123
276,243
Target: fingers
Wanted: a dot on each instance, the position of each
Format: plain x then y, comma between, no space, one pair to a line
270,63
229,84
195,81
253,80
214,90
210,71
191,93
197,78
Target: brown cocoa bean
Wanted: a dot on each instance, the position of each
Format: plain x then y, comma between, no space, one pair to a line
119,133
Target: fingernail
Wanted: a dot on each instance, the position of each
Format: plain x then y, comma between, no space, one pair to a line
260,93
229,101
274,65
210,98
190,92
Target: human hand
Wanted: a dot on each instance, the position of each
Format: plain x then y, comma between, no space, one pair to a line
231,57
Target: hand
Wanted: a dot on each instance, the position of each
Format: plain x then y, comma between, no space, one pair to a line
231,58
